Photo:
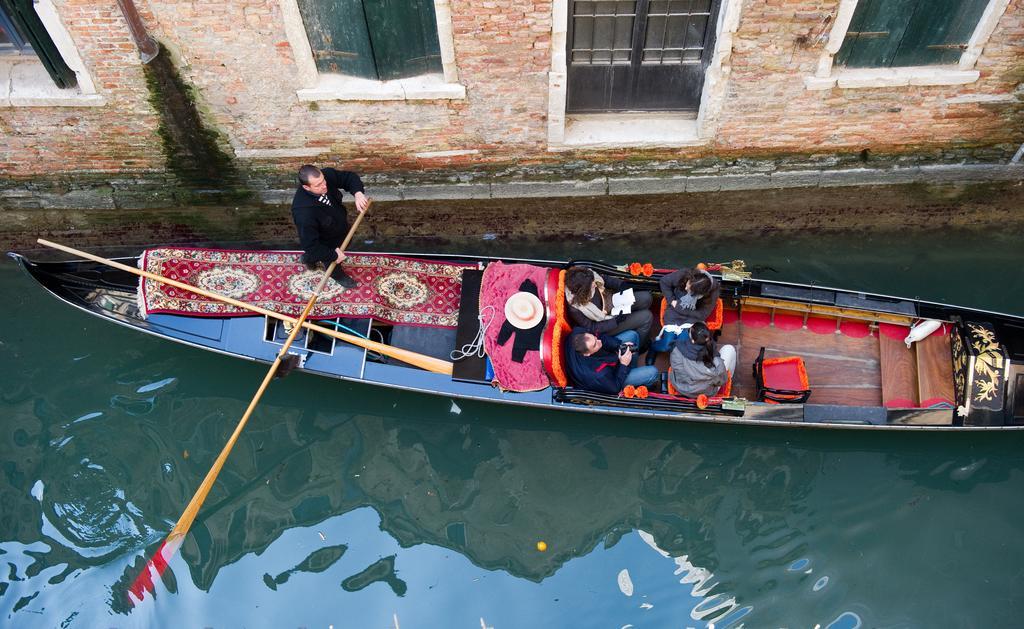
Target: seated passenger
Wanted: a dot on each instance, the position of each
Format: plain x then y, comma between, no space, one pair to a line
696,368
691,295
604,364
590,299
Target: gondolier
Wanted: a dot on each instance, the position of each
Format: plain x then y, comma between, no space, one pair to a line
320,217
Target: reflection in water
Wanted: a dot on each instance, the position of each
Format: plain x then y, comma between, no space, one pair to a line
318,561
382,571
734,509
351,506
718,608
846,620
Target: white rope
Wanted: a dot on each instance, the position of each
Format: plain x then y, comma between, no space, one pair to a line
476,346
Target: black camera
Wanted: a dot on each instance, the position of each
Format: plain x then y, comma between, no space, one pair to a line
625,347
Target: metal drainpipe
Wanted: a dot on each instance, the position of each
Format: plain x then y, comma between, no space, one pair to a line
148,48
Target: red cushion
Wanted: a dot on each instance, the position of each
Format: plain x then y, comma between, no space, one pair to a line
714,319
553,340
856,329
786,373
755,319
788,321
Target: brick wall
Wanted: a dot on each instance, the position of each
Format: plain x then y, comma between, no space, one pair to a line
238,57
121,136
768,108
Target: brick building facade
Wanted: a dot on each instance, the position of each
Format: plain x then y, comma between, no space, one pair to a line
771,82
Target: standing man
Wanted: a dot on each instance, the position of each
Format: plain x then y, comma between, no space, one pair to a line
321,218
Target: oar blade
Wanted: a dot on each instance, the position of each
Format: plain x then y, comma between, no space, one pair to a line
152,571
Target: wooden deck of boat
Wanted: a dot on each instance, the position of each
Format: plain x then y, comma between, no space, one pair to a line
842,369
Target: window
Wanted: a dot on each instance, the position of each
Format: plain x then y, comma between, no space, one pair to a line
373,39
23,33
901,33
12,41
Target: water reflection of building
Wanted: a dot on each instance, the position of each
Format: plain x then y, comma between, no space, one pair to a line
486,490
488,487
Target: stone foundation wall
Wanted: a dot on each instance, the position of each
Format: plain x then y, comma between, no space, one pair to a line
462,225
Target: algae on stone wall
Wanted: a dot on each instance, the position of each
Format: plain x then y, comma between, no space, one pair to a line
193,149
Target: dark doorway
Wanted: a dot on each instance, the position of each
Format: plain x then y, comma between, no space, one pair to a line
645,55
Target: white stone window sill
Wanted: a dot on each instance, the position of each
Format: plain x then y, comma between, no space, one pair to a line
892,77
24,82
341,87
626,130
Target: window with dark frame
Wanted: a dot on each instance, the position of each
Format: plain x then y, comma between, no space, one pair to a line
638,55
23,33
674,31
902,33
373,39
12,41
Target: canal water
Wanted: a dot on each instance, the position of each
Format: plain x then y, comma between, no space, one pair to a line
349,506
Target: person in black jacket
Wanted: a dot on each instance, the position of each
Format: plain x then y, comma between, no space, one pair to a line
322,220
604,364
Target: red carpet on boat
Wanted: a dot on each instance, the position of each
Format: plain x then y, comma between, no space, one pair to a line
405,291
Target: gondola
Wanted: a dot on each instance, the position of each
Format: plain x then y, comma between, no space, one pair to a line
808,356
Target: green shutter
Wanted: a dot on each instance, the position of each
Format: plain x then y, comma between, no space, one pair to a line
338,36
875,33
900,33
27,21
403,34
939,31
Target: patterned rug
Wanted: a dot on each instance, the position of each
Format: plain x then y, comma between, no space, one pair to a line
406,291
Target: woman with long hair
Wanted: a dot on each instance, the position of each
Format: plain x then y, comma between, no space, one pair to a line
696,367
589,297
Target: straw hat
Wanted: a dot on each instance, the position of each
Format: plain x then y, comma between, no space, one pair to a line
524,310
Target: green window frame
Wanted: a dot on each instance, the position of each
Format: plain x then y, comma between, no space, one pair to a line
901,33
373,39
28,36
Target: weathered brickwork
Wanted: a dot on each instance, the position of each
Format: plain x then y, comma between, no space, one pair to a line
121,136
768,107
238,58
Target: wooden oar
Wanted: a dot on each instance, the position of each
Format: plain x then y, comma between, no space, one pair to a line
170,545
422,361
174,539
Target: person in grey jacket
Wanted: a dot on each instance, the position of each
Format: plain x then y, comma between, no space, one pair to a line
696,367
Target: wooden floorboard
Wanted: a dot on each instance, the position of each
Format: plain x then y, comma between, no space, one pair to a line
841,369
934,368
899,372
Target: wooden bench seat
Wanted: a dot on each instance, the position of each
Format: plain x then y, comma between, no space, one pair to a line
899,372
934,370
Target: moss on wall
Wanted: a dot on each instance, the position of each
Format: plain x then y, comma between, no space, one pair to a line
192,147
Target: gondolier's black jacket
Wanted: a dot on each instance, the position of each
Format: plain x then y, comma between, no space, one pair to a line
323,227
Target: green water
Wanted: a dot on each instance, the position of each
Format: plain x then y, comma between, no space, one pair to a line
350,506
